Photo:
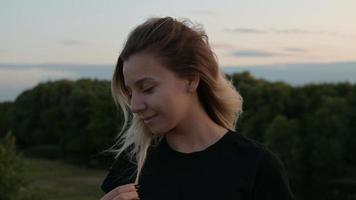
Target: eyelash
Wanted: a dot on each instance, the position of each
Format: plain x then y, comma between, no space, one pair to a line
147,91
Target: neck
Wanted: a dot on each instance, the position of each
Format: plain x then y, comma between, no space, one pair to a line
194,133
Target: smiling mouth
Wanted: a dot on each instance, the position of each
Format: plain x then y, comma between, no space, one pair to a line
147,120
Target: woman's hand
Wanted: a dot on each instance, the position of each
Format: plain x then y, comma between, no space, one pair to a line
123,192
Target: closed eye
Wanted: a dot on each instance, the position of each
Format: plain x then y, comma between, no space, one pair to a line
149,90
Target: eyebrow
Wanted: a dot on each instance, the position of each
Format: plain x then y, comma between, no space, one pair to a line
139,81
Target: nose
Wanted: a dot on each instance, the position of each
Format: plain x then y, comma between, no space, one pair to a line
136,104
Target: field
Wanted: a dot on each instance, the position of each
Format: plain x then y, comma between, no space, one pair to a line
56,180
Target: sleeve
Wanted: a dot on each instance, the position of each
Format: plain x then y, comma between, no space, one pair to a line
120,173
271,182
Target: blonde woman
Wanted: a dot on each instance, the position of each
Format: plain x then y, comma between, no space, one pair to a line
178,139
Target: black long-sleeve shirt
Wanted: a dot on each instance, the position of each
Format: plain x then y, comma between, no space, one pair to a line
235,167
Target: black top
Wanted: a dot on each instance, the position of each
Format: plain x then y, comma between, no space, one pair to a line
235,167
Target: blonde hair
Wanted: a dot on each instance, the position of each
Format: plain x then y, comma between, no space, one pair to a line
184,49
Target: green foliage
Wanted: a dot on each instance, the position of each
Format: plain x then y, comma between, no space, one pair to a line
11,170
310,127
283,137
6,109
78,118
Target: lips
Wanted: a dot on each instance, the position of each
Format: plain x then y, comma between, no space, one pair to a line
148,118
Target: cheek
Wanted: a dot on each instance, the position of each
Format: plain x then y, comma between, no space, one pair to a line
169,101
175,107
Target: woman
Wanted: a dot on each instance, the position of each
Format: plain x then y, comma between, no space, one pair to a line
180,142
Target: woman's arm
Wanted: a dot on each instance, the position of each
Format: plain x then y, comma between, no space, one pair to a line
120,173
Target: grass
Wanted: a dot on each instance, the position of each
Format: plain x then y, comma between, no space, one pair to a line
56,180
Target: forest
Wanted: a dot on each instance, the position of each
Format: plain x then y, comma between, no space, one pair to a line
310,127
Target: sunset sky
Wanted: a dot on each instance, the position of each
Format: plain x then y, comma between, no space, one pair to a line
294,41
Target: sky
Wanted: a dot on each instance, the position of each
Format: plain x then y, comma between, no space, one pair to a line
298,42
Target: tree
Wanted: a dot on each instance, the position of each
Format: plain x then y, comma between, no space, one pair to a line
11,168
282,137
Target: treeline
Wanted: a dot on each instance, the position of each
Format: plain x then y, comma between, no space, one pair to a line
311,128
67,119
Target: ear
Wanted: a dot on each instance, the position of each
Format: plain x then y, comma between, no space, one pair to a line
192,83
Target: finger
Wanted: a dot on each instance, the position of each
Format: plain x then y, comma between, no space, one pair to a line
120,189
128,196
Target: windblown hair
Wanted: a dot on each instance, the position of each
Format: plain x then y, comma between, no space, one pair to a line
184,49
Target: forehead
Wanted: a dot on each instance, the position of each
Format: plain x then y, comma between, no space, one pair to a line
143,67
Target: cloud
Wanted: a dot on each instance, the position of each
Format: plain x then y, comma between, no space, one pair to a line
221,46
294,49
103,71
72,42
290,31
25,77
14,81
244,30
301,73
15,78
254,53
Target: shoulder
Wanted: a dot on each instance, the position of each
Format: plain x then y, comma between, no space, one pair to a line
269,177
254,150
243,145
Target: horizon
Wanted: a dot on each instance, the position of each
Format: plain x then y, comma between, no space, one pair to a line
292,74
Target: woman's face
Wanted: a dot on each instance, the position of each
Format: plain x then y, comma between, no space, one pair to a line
155,91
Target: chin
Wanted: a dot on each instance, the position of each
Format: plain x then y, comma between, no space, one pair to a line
157,130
